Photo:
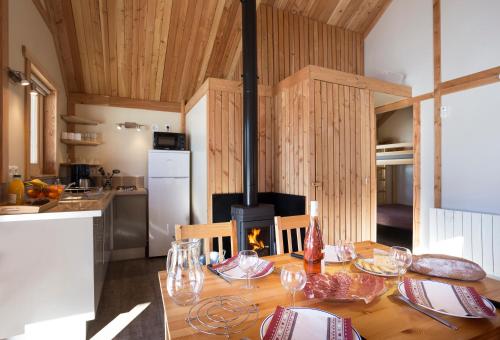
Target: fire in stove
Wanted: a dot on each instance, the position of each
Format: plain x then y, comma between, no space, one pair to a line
254,241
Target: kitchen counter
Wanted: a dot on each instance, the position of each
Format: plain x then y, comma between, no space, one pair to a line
89,208
60,256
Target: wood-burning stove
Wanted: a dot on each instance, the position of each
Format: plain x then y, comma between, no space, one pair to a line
255,228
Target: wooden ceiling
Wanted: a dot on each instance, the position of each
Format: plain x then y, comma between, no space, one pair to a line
355,15
163,50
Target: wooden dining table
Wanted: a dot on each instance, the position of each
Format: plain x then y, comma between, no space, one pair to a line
383,318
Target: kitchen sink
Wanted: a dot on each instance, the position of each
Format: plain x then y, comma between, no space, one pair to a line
74,198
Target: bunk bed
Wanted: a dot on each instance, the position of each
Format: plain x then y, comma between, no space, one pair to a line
390,215
394,154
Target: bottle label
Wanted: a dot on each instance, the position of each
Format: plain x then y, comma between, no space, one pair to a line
11,198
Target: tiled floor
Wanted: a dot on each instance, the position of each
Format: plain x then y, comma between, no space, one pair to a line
127,284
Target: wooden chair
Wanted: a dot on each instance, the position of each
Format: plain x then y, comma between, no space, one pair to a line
289,223
208,232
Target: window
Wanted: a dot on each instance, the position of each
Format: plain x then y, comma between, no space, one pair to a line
34,130
41,122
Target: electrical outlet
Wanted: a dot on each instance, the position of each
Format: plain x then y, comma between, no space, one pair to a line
13,169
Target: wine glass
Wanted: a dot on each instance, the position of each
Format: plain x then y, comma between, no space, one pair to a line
247,260
402,258
293,279
346,252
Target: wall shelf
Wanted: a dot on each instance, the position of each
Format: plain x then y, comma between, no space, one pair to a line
79,120
80,142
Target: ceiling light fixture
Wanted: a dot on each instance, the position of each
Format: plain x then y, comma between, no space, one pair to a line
129,125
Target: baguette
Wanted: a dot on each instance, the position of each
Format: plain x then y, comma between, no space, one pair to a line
446,266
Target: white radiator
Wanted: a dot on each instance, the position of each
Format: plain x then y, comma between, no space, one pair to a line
474,236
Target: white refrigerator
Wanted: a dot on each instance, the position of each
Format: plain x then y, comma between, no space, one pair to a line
169,197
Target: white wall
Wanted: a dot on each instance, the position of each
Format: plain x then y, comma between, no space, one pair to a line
397,129
471,150
196,129
401,42
470,39
125,149
26,27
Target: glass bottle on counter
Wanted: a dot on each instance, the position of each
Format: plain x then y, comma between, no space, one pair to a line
16,190
313,242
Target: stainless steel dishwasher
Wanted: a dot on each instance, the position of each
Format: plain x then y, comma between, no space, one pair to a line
130,225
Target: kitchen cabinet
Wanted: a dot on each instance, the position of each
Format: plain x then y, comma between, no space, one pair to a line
103,227
130,226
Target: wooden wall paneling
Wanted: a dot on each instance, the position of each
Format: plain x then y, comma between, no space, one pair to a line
261,144
218,141
336,159
269,137
347,152
324,162
330,165
342,167
225,141
49,149
359,177
373,169
238,110
231,143
352,153
211,150
365,168
4,96
317,142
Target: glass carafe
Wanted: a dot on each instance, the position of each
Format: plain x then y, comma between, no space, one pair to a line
184,273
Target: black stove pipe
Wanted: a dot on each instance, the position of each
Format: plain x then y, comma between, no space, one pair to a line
250,152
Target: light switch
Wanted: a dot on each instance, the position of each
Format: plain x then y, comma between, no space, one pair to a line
445,111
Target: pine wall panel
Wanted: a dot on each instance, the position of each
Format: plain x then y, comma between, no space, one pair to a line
225,140
287,42
323,150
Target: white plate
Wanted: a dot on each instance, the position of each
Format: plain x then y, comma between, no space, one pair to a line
428,282
252,278
311,312
372,272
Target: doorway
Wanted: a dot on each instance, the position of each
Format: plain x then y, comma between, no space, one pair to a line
396,187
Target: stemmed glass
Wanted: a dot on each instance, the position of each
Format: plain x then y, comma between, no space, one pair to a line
402,258
247,260
346,252
293,279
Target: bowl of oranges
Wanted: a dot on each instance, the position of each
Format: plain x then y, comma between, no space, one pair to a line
39,189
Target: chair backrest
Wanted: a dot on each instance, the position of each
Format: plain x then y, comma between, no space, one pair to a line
208,232
289,224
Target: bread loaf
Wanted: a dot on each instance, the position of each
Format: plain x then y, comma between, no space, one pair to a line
445,266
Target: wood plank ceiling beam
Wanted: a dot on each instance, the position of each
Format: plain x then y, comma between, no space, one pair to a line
94,99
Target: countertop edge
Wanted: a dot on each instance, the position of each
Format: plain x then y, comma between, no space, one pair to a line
50,216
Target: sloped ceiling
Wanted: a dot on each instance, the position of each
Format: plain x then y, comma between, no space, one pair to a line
163,50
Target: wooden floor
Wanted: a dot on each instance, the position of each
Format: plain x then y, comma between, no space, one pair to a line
127,284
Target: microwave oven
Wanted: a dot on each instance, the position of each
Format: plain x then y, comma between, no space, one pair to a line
169,141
